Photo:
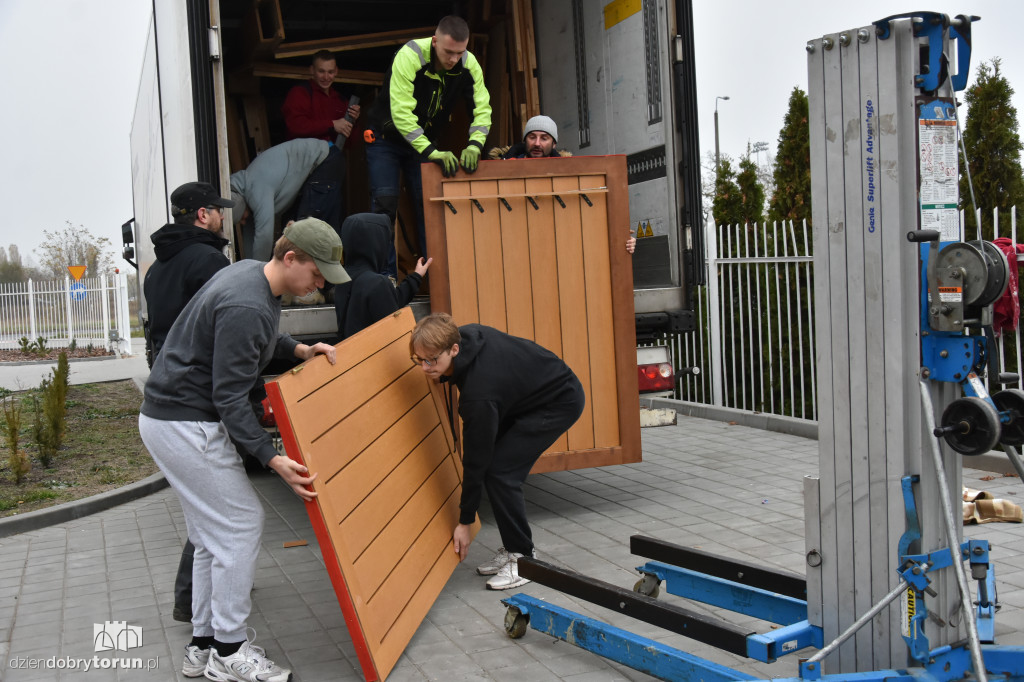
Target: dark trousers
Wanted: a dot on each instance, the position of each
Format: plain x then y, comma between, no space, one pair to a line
322,195
183,581
385,161
517,449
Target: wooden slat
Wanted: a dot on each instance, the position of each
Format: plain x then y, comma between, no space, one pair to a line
490,281
459,243
301,73
516,263
573,297
256,122
385,514
356,42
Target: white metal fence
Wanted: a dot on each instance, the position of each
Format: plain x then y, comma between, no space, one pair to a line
755,342
92,311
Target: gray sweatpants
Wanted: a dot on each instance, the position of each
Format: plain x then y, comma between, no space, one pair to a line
223,515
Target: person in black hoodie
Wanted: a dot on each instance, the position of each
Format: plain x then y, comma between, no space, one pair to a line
188,253
515,399
370,296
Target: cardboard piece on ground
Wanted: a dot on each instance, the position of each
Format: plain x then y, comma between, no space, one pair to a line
374,429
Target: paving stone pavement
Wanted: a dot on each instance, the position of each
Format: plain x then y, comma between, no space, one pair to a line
722,488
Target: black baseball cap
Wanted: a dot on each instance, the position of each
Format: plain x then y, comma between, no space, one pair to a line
196,195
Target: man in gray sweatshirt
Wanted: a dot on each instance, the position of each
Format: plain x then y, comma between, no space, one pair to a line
268,187
196,408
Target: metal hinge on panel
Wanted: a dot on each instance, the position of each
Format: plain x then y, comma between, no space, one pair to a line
214,33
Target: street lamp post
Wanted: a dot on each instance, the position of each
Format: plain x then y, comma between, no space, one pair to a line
717,157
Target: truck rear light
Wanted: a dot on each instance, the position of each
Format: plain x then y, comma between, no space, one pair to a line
656,377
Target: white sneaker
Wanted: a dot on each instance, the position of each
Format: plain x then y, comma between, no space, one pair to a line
195,661
495,564
508,576
248,664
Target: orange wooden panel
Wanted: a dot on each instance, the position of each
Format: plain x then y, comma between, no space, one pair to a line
385,512
569,274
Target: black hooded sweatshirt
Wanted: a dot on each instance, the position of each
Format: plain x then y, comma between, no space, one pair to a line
499,378
186,258
370,296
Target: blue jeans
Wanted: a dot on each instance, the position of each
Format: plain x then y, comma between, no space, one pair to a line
384,160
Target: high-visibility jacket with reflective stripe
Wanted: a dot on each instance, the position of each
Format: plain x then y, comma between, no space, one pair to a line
416,100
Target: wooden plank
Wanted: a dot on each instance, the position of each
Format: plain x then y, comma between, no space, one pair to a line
460,243
256,122
517,266
354,42
598,243
572,297
490,281
301,73
384,518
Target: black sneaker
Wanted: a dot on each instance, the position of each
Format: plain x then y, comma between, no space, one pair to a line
182,614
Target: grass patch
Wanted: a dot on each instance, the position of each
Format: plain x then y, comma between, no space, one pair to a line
102,450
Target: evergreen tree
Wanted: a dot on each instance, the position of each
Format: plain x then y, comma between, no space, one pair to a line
11,269
791,198
727,208
993,152
751,193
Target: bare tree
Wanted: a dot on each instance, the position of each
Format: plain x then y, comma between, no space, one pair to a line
74,246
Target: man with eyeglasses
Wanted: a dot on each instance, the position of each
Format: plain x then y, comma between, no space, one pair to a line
516,398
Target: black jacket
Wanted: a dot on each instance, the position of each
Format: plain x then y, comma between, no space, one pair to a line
186,258
499,377
370,296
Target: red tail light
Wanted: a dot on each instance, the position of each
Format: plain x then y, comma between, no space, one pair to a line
656,377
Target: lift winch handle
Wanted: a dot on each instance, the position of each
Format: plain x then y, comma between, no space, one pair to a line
923,236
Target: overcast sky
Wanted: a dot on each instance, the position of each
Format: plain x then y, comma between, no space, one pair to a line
71,69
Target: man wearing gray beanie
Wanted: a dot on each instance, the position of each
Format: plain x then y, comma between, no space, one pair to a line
540,135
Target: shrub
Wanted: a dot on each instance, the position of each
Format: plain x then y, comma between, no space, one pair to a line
26,346
18,460
41,346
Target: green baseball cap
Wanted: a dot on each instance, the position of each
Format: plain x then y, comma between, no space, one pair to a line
320,241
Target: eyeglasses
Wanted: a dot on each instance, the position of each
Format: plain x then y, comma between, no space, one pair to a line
417,360
219,209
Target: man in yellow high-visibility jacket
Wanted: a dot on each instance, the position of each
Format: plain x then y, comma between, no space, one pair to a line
427,77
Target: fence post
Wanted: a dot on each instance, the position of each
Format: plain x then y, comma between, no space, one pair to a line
67,299
31,312
106,327
714,319
124,327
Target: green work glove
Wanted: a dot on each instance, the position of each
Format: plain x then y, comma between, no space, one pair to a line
446,160
470,156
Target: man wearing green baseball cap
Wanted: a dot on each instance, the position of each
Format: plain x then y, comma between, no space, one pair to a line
196,409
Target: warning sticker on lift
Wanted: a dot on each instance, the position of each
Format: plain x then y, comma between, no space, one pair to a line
951,294
939,175
909,610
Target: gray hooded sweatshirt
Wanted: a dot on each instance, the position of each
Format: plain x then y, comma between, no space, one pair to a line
270,185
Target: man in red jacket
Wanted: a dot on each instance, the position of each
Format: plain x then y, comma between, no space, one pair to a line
316,109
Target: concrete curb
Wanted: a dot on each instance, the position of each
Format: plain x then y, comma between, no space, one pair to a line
995,462
804,428
69,511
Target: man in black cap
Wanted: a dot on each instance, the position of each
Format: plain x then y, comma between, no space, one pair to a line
188,252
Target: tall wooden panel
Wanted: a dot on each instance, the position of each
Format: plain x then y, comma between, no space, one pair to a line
375,431
536,248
